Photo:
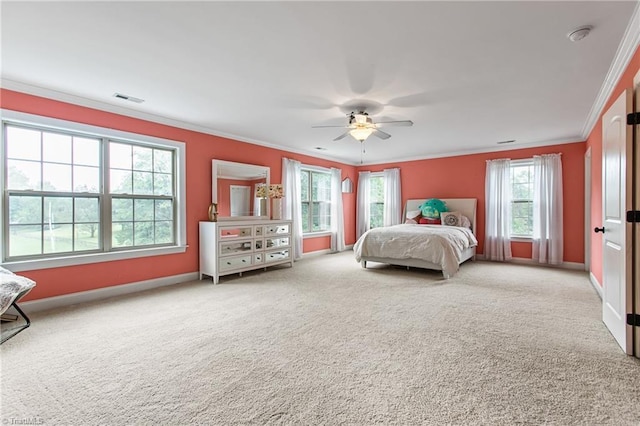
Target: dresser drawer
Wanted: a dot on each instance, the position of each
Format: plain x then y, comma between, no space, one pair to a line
274,256
236,231
235,262
277,242
258,258
282,228
228,248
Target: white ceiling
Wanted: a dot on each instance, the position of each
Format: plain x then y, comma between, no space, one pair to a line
468,74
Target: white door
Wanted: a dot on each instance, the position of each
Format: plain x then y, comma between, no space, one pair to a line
240,200
616,239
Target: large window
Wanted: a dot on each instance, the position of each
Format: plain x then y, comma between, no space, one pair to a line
316,200
70,193
522,199
376,200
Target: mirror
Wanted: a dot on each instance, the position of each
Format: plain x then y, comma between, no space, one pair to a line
240,190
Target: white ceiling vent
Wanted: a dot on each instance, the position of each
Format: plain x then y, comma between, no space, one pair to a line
128,98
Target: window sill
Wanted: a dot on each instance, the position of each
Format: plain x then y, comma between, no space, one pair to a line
521,239
316,234
59,262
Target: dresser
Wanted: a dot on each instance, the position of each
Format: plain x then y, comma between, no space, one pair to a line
232,247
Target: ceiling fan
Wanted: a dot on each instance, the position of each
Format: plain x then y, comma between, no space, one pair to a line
361,126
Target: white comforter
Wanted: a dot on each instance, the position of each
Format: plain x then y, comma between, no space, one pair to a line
442,245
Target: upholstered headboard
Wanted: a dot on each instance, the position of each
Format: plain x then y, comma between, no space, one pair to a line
466,206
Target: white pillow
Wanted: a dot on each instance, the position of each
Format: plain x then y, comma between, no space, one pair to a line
412,216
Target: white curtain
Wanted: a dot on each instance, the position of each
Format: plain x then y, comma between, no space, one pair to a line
392,214
337,212
292,188
363,212
547,209
498,210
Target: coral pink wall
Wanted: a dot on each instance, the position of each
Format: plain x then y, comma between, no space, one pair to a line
200,150
464,177
594,141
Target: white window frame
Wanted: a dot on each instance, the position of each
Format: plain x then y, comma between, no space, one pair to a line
307,168
53,124
519,237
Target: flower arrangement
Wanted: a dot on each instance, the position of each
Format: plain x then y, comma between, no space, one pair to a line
276,191
261,190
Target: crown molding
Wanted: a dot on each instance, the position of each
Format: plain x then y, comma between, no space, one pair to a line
57,95
626,49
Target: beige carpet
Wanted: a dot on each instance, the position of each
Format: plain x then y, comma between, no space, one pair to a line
326,342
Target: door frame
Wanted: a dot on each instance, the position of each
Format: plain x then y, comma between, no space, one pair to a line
587,210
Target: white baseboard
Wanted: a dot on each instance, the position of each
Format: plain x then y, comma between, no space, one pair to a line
325,251
525,261
596,285
103,293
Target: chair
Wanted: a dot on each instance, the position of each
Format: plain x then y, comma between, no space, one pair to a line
12,288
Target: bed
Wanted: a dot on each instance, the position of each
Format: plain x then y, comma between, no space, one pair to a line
437,247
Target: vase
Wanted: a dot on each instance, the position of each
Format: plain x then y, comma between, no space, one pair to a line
213,212
276,208
262,208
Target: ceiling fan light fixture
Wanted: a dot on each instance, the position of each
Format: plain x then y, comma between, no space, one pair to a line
361,133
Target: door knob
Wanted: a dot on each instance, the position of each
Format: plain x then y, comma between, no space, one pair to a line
599,229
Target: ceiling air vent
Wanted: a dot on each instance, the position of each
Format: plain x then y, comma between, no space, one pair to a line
128,98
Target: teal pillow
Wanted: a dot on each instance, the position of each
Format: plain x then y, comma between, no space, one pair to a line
432,208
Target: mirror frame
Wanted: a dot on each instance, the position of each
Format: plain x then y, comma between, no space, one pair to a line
215,167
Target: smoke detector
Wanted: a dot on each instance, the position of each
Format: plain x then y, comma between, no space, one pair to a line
579,33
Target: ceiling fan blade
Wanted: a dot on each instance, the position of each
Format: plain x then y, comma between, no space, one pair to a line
341,136
381,134
318,127
394,123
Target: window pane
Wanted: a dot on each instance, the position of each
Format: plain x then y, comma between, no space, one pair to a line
122,234
86,151
58,210
164,232
377,215
162,161
121,209
23,143
23,175
120,156
142,158
25,210
25,240
164,210
58,238
56,177
304,193
86,179
321,186
121,182
162,184
87,210
87,236
56,148
144,233
305,217
142,183
143,210
376,192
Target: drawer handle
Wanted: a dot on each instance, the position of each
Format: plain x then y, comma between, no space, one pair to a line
228,263
244,260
